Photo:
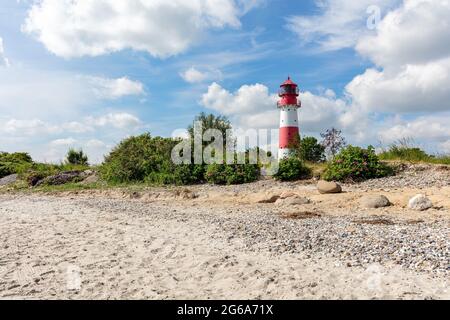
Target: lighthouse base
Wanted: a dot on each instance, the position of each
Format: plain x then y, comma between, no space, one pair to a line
284,153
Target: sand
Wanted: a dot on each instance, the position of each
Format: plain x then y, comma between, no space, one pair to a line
89,246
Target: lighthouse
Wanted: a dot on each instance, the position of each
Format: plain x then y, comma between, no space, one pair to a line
289,128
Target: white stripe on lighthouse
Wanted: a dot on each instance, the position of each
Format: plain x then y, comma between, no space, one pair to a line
289,117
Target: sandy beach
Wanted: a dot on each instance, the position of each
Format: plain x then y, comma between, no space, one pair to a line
216,243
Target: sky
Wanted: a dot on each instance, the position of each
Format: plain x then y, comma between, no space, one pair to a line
89,73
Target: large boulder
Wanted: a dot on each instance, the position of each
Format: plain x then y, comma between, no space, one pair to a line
420,203
375,202
326,187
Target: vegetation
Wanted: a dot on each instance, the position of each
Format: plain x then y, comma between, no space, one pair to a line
404,150
356,164
311,150
77,157
144,158
11,163
292,169
333,141
210,121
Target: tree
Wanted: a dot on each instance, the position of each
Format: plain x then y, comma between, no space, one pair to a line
311,150
333,141
210,121
76,157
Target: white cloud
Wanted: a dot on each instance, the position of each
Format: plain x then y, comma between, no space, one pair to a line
247,99
415,33
95,143
412,49
413,88
445,147
3,60
78,28
117,120
115,88
67,142
429,127
28,127
340,22
193,75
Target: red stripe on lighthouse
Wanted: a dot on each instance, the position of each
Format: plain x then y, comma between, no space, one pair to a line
288,136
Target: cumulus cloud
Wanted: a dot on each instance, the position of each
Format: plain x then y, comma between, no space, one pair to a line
75,28
429,127
194,75
117,120
3,60
340,23
412,50
67,142
247,99
415,33
115,88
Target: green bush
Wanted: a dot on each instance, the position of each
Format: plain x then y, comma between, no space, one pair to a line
11,163
311,150
147,159
228,174
356,164
76,157
292,169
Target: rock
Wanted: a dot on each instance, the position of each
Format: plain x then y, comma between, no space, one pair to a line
8,179
420,203
186,194
293,201
265,198
375,201
62,178
91,179
326,187
287,194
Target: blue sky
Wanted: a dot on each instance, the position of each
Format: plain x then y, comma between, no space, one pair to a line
89,73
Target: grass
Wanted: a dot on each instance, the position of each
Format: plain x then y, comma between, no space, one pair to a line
404,150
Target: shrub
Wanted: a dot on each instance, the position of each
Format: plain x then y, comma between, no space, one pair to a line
356,164
76,157
292,169
232,173
311,150
11,163
147,159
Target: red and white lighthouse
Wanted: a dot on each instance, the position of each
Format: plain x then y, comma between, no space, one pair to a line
289,127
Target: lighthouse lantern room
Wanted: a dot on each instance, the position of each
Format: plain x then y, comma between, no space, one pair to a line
289,126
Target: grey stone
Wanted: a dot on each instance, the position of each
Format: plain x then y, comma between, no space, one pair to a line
8,179
375,201
420,203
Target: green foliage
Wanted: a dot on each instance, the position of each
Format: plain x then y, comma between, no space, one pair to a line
228,174
144,158
404,150
11,163
311,150
356,164
210,121
292,169
76,157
